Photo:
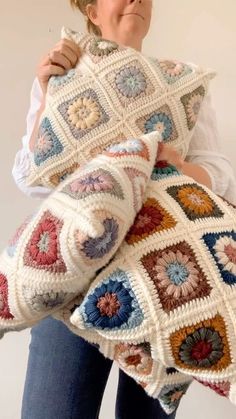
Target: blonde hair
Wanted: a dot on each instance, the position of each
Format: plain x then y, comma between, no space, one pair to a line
81,6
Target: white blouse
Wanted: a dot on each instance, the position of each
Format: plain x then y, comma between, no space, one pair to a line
204,150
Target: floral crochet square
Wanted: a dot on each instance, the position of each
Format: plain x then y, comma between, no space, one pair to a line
176,274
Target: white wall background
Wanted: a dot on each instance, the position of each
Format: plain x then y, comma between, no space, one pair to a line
200,31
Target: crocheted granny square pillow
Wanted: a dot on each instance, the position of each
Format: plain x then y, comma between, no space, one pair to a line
114,93
165,307
54,255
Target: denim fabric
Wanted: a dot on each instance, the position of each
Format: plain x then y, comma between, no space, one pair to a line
66,378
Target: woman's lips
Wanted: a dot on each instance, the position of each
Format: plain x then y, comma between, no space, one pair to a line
133,14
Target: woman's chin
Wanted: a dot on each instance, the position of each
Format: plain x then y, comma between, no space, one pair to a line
132,29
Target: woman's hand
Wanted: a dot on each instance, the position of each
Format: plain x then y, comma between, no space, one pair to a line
61,58
195,171
168,153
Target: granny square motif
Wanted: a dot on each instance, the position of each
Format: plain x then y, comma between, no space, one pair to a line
113,94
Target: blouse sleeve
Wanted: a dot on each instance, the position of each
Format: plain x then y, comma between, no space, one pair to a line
21,165
205,150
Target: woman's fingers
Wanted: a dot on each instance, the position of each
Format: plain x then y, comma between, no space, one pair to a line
51,70
170,154
45,72
71,44
60,59
68,49
71,55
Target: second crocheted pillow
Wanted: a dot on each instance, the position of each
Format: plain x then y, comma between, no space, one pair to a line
165,306
114,93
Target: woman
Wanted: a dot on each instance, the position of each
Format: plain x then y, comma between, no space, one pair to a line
66,376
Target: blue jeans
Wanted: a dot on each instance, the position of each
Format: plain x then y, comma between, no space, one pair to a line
66,378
